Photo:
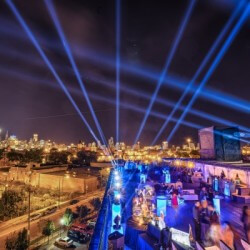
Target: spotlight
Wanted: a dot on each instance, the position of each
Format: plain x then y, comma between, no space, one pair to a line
62,221
118,196
118,185
117,178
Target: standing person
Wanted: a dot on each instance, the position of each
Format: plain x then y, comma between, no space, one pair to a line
174,200
204,219
214,218
228,235
203,194
196,217
166,238
245,219
210,195
213,236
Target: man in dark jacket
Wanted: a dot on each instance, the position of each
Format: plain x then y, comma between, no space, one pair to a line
196,217
166,238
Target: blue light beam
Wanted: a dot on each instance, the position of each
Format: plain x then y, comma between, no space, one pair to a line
118,45
159,115
65,43
216,61
48,63
165,69
201,67
73,90
20,75
176,82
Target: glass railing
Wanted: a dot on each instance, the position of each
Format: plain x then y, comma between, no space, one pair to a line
99,239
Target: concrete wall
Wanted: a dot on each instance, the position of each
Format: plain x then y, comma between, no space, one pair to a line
71,184
51,181
101,164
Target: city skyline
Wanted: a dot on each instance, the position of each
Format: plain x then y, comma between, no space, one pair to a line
5,135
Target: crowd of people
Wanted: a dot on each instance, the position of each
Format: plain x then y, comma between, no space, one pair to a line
208,227
245,219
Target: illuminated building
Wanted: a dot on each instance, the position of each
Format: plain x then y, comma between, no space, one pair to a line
35,138
246,153
164,145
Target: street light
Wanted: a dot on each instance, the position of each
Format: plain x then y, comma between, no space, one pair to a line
117,178
118,196
62,224
30,175
62,221
117,185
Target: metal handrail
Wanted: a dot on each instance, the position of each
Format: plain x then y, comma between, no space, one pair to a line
99,239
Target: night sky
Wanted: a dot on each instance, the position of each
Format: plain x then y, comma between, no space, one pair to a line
32,102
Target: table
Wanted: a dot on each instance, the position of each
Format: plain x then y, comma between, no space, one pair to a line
190,197
154,231
145,242
132,232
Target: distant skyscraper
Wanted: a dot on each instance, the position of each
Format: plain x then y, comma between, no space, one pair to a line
164,145
7,135
192,146
111,142
35,137
99,144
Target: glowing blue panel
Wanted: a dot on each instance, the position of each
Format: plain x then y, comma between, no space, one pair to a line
167,177
216,184
139,167
227,189
216,202
161,205
116,210
142,178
